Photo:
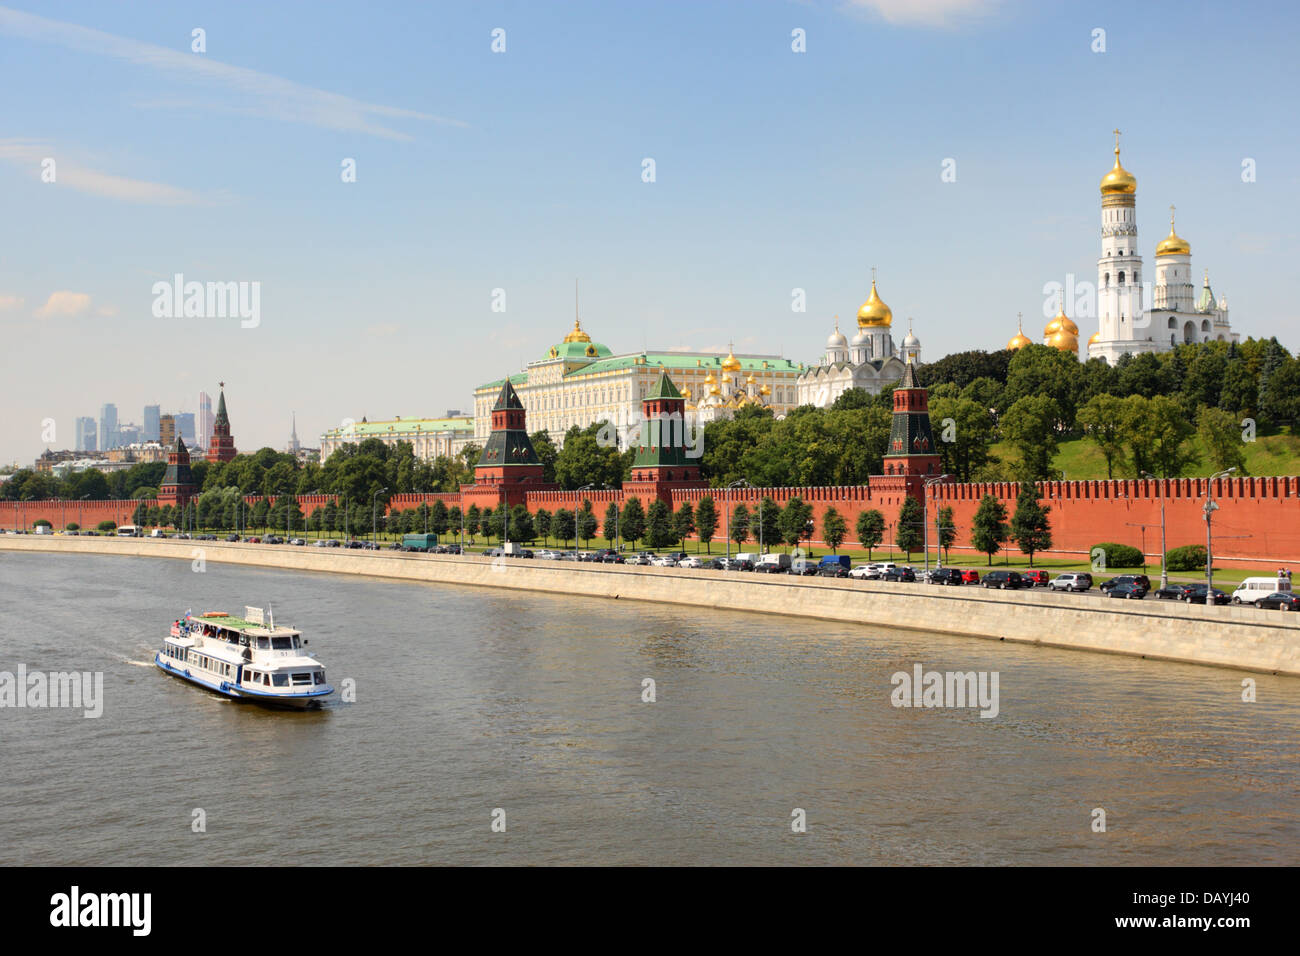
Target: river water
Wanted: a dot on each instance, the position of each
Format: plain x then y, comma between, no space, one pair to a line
470,700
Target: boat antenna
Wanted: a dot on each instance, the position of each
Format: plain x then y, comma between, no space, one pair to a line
271,614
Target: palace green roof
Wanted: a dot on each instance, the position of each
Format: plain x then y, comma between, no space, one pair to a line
394,425
672,361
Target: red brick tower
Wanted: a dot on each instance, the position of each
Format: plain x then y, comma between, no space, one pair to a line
509,466
177,488
911,453
661,461
221,447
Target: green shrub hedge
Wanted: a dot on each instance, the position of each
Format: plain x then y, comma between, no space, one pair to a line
1190,557
1119,555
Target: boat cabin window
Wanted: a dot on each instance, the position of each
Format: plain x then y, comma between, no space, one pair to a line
320,677
302,678
263,644
282,643
280,680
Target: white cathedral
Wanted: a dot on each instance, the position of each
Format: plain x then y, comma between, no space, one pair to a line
1176,315
870,361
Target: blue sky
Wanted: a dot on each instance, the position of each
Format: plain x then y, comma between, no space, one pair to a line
521,170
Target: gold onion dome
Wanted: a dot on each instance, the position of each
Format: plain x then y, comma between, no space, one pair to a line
1019,341
1061,323
731,363
1065,341
577,335
710,380
1173,244
1119,180
765,390
686,393
1096,337
874,312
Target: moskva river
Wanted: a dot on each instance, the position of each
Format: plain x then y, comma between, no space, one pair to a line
514,728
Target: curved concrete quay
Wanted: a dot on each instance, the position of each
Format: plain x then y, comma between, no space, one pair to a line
1242,638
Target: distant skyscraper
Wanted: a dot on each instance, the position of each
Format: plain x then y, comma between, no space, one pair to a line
167,431
128,435
185,426
205,419
107,427
150,430
86,434
293,435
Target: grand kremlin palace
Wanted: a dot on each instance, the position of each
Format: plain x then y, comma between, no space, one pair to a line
581,382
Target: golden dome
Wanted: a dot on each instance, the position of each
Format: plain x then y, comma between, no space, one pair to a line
686,393
731,363
577,335
1064,341
710,380
1173,244
1118,180
1019,341
714,390
1096,337
765,390
1061,322
874,312
749,379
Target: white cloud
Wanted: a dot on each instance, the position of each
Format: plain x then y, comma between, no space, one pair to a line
64,305
30,155
261,93
8,303
925,13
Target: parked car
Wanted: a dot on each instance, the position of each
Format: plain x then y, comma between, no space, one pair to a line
1174,592
320,543
665,561
1004,580
254,540
454,549
860,571
1037,579
947,576
832,571
905,574
334,543
717,564
970,576
803,567
1279,601
742,563
643,558
773,563
1197,595
232,537
691,561
1140,579
1126,589
1070,581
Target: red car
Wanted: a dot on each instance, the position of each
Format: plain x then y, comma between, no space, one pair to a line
1036,578
970,576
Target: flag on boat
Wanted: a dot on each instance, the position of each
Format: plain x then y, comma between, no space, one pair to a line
176,629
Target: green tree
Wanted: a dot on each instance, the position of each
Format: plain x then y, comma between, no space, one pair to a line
659,525
1220,434
546,453
989,531
947,530
1030,529
965,430
585,523
563,526
472,518
739,524
439,519
765,523
1030,426
542,521
1102,420
684,522
611,527
587,459
706,521
834,528
633,520
870,529
521,524
910,533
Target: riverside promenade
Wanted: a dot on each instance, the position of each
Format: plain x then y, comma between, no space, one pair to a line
1242,638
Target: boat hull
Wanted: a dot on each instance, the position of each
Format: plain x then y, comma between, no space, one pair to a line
304,700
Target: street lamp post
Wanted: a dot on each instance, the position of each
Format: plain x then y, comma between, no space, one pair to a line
1211,506
1164,571
925,520
374,516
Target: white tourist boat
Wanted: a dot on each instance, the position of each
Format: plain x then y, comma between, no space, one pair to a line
248,658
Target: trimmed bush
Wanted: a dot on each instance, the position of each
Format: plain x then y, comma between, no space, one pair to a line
1119,555
1190,557
107,526
41,523
72,526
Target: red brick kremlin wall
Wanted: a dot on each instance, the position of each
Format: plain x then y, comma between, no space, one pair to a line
1257,525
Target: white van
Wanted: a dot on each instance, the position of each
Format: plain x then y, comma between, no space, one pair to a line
748,556
1251,590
